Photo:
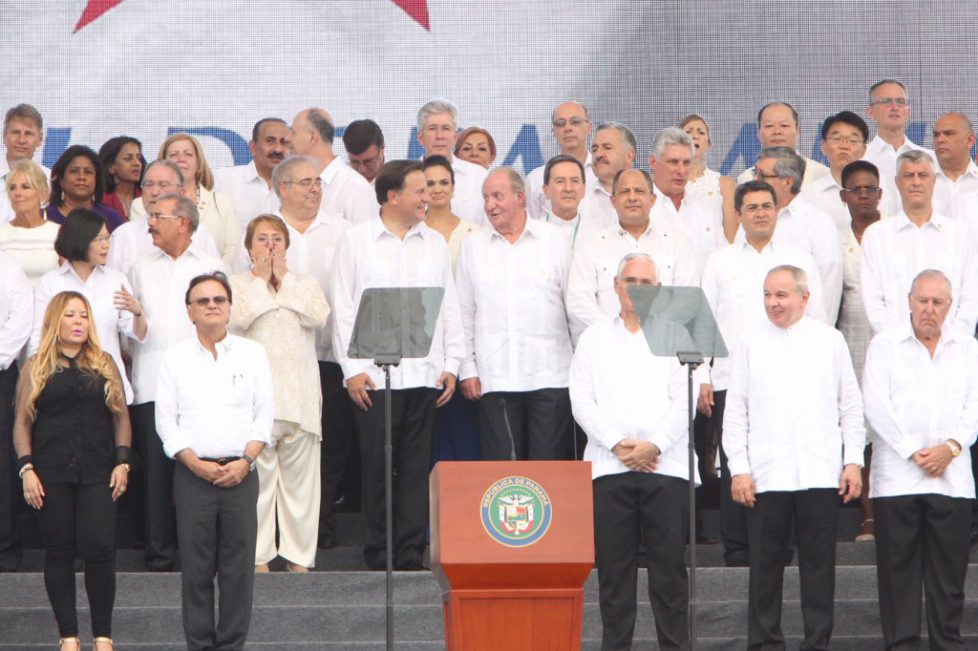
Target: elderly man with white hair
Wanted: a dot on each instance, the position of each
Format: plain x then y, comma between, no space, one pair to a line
921,393
437,132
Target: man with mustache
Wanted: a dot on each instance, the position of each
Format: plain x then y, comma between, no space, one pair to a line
159,281
251,185
612,150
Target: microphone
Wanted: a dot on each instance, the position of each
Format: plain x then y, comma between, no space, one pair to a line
509,430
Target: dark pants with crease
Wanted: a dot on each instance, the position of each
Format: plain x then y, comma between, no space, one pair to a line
11,493
815,513
649,509
218,530
412,433
79,520
733,516
922,540
339,438
155,476
540,421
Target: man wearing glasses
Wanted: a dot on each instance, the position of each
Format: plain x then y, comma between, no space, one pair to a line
571,127
132,240
844,137
159,281
801,223
214,415
889,109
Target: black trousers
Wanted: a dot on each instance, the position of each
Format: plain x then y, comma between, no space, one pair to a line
412,433
154,474
733,516
11,495
541,423
632,509
775,515
922,540
218,528
79,520
339,438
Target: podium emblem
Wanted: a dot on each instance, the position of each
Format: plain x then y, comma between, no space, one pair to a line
516,511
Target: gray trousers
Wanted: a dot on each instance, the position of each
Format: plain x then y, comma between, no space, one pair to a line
216,533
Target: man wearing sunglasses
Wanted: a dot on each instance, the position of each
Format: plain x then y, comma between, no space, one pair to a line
214,415
159,281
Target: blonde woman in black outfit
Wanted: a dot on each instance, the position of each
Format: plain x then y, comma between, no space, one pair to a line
72,437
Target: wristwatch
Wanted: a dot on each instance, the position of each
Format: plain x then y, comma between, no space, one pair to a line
251,462
955,448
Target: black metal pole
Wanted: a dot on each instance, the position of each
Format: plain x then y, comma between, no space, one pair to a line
389,497
692,517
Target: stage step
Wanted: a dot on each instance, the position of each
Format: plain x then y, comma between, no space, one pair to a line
345,610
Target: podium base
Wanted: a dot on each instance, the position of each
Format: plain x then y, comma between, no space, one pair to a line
515,620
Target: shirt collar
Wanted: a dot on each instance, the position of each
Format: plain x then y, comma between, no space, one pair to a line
531,228
378,229
223,346
903,222
972,171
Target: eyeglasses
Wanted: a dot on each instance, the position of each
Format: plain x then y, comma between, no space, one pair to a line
862,189
853,141
158,216
204,301
162,185
886,101
306,183
575,122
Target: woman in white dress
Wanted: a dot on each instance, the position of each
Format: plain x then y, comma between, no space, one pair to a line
704,182
282,310
29,237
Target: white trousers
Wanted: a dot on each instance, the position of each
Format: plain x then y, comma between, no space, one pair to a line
288,473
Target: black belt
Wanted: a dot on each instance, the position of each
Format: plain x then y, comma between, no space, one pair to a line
222,461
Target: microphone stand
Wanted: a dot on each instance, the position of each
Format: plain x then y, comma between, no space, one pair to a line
386,362
691,360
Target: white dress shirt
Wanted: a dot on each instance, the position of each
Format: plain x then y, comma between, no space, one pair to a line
214,407
794,414
467,201
852,322
884,157
347,193
596,207
813,231
249,192
108,321
369,255
16,310
813,171
895,250
132,241
701,221
948,194
914,402
733,281
537,203
285,322
591,283
512,301
160,284
619,390
310,252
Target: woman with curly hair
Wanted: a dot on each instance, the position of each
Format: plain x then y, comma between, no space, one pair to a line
72,437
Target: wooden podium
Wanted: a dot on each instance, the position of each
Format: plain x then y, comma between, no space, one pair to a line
512,544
